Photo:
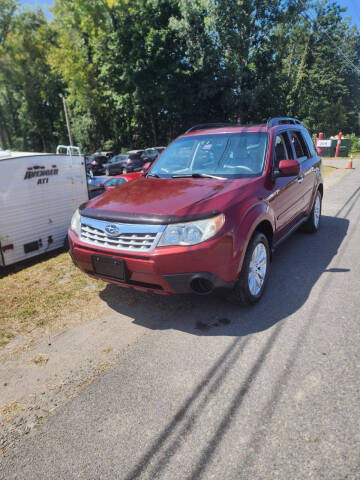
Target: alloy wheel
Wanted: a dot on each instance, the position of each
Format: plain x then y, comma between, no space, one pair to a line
257,269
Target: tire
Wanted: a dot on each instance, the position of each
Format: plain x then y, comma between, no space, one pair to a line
312,224
247,290
107,172
124,170
91,173
66,244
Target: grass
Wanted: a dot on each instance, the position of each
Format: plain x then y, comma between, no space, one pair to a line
40,359
327,170
44,294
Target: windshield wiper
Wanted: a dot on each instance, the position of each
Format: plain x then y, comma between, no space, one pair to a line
197,175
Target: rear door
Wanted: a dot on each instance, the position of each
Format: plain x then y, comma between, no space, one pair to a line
306,157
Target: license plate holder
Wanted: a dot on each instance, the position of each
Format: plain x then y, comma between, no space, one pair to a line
112,267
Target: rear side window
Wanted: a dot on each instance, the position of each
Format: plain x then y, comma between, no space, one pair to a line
300,148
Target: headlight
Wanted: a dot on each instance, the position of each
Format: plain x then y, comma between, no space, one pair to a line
76,222
191,233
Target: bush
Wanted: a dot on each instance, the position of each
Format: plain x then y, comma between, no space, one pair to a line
355,144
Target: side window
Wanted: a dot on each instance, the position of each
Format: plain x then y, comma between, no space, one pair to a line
309,143
299,146
281,152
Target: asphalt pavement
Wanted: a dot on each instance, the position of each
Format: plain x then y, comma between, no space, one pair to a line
221,392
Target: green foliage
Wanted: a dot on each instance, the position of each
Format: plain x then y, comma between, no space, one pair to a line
355,144
30,107
137,73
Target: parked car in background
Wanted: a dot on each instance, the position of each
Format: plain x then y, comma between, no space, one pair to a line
95,182
150,154
208,214
95,164
127,162
113,182
95,185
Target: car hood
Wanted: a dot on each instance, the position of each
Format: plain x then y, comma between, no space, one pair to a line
162,201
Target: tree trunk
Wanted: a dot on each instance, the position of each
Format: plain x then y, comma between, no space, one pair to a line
153,128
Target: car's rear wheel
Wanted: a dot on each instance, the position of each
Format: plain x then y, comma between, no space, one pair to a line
107,172
91,172
312,224
124,170
254,273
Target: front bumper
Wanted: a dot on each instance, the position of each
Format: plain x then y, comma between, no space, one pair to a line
167,270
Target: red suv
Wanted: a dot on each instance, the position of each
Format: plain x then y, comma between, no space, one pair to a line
207,215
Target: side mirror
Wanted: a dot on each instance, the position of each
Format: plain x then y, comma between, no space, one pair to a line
289,168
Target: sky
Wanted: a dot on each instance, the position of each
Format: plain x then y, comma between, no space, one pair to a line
353,7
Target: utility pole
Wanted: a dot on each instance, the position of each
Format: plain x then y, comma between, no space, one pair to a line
67,119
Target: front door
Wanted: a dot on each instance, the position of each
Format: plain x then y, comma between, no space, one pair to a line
287,199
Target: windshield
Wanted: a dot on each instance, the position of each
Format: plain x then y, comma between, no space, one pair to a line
223,155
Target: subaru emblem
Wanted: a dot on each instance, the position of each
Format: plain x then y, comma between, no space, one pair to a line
112,230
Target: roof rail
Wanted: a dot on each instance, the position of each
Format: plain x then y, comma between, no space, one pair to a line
202,126
282,120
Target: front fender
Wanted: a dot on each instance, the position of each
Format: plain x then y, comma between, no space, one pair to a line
249,222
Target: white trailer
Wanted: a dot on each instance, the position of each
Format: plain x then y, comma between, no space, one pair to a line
38,195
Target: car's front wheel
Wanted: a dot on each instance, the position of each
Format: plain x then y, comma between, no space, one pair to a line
254,273
312,224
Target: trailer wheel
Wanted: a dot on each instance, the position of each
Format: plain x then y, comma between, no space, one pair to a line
66,244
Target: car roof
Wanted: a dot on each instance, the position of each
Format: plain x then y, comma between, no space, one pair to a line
228,129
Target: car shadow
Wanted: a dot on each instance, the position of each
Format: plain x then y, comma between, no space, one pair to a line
297,265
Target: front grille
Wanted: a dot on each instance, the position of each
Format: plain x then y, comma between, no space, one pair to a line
131,237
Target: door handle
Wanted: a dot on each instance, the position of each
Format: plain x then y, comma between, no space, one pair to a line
300,179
